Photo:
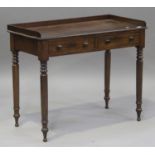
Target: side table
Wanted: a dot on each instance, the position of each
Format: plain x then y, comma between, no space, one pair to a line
46,39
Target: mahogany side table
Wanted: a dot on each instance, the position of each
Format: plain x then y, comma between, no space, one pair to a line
46,39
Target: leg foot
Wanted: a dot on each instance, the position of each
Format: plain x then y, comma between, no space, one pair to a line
138,116
44,131
16,116
107,102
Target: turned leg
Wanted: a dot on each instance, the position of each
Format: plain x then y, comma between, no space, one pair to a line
139,80
44,98
107,78
15,74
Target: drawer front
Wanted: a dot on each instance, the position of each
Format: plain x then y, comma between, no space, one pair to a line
70,46
118,41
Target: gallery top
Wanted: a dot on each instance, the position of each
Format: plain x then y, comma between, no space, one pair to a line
75,26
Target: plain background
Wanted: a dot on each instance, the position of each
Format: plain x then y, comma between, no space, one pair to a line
76,89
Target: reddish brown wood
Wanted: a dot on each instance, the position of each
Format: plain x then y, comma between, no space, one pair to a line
15,73
76,20
107,77
15,77
139,81
119,40
71,36
28,45
44,98
76,26
72,45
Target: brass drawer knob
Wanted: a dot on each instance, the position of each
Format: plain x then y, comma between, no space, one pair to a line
107,41
59,47
85,44
131,38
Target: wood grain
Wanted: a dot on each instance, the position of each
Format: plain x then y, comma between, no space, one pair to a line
76,26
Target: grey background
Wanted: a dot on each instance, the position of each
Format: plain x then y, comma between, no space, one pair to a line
76,107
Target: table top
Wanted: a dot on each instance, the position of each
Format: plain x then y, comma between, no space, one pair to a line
76,26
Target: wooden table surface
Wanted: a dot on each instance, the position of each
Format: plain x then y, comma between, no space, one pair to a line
78,26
